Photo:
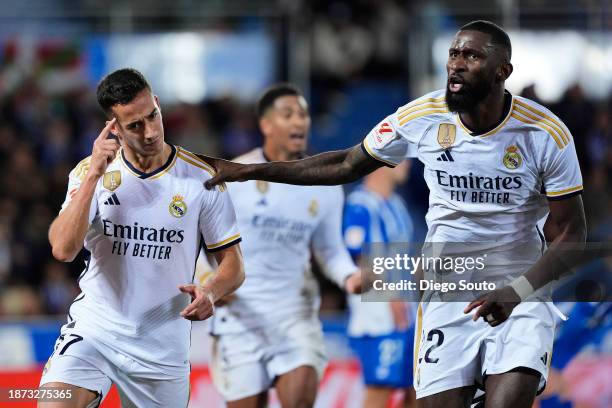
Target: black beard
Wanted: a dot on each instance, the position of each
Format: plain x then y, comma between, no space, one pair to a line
470,96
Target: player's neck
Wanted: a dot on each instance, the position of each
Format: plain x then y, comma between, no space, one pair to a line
383,186
272,153
147,164
487,114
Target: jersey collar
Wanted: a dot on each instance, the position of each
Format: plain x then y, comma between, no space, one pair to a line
157,172
508,108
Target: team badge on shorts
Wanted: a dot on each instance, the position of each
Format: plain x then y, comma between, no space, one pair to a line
313,208
512,159
177,206
112,180
262,186
447,132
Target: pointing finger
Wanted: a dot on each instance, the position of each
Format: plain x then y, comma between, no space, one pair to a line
106,131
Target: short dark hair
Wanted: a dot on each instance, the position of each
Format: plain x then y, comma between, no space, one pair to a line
271,94
120,87
498,36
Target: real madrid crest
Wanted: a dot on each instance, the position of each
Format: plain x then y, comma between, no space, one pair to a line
313,208
177,206
512,159
447,132
112,180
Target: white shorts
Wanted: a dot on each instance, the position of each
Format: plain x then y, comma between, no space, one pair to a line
452,351
246,364
85,362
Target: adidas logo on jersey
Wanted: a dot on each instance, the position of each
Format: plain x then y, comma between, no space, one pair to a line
544,358
112,200
446,156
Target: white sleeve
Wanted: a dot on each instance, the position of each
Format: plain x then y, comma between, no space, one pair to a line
385,144
397,136
75,178
328,245
561,172
218,221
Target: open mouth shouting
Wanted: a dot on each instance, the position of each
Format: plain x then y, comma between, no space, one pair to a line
455,83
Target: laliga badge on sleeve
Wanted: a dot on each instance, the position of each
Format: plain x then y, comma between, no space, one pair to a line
383,134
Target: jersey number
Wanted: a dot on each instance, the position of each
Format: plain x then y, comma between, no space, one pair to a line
439,341
76,339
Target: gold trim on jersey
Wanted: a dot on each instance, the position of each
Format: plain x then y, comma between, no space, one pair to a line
425,111
494,130
128,168
81,169
374,155
225,241
158,175
418,102
556,124
207,166
427,103
544,126
561,192
419,328
189,160
167,169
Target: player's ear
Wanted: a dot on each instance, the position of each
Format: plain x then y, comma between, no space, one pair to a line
264,125
504,71
157,103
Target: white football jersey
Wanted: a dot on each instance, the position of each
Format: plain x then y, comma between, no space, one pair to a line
282,226
486,188
144,238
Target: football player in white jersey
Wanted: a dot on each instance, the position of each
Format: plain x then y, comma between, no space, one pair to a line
137,207
269,334
495,164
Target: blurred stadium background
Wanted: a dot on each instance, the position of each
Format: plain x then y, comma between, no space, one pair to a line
207,60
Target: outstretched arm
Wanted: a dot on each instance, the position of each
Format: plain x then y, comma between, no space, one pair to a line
330,168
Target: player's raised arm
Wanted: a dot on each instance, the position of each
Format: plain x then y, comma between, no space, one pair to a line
68,230
329,168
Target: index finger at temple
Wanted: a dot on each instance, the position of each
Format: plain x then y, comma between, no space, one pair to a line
106,131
